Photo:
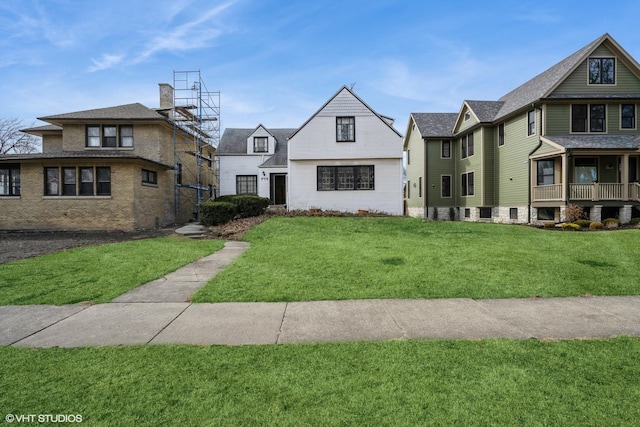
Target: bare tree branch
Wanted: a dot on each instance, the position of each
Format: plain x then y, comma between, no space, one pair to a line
13,141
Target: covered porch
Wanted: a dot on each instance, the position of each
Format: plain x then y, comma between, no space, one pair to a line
587,169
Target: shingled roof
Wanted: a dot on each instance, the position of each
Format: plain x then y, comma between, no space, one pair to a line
433,125
616,142
234,142
93,154
485,110
134,111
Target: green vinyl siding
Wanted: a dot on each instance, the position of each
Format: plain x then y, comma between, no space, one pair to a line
489,147
512,165
437,167
466,124
558,119
415,169
470,164
547,149
576,83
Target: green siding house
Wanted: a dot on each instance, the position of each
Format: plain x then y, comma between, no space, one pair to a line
567,136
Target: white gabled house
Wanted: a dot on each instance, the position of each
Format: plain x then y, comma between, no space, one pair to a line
346,157
254,161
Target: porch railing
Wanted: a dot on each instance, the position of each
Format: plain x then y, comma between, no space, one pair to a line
634,191
594,192
543,193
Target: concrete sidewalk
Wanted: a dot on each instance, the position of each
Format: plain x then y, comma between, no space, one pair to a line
317,321
159,312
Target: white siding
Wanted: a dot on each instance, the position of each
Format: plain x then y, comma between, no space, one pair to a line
230,166
375,144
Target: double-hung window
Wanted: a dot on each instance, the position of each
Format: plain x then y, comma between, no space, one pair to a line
109,136
588,118
260,144
628,116
10,180
336,178
531,122
445,149
445,186
500,134
77,181
345,129
602,71
467,145
467,184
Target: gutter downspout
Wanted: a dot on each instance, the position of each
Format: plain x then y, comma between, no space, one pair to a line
425,206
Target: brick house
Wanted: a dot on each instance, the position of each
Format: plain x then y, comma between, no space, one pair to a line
118,168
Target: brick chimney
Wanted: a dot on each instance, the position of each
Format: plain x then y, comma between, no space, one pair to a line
166,95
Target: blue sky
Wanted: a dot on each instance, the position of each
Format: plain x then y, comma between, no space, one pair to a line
276,62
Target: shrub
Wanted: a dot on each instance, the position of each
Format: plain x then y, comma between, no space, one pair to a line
634,221
549,224
596,226
573,213
611,223
246,205
570,226
216,213
583,223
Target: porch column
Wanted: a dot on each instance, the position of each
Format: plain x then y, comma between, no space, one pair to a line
565,177
625,177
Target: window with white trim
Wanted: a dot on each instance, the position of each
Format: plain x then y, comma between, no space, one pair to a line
445,186
445,149
109,136
467,184
531,122
260,144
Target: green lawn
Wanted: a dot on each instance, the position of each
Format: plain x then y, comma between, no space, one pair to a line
300,259
394,383
97,273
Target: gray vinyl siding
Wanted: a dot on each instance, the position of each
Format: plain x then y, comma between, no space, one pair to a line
576,83
437,167
512,179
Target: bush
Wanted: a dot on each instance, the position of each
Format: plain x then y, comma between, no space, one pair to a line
583,223
634,221
549,224
570,226
216,213
596,226
611,223
247,205
573,213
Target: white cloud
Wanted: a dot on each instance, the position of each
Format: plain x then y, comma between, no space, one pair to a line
107,61
190,35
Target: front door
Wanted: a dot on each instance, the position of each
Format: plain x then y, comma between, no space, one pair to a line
279,188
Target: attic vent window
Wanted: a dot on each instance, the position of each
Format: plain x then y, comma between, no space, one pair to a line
467,116
602,71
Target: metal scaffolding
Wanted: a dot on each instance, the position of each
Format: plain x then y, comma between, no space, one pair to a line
196,124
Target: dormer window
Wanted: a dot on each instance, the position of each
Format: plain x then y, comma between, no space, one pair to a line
260,144
109,136
602,71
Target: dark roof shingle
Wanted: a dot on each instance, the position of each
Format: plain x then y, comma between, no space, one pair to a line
435,124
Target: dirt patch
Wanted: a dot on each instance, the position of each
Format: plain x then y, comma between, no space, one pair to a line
235,229
20,245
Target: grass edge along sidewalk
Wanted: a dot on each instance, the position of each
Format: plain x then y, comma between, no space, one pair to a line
489,382
97,273
306,259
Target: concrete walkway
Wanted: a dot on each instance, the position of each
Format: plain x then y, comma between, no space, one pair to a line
159,313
